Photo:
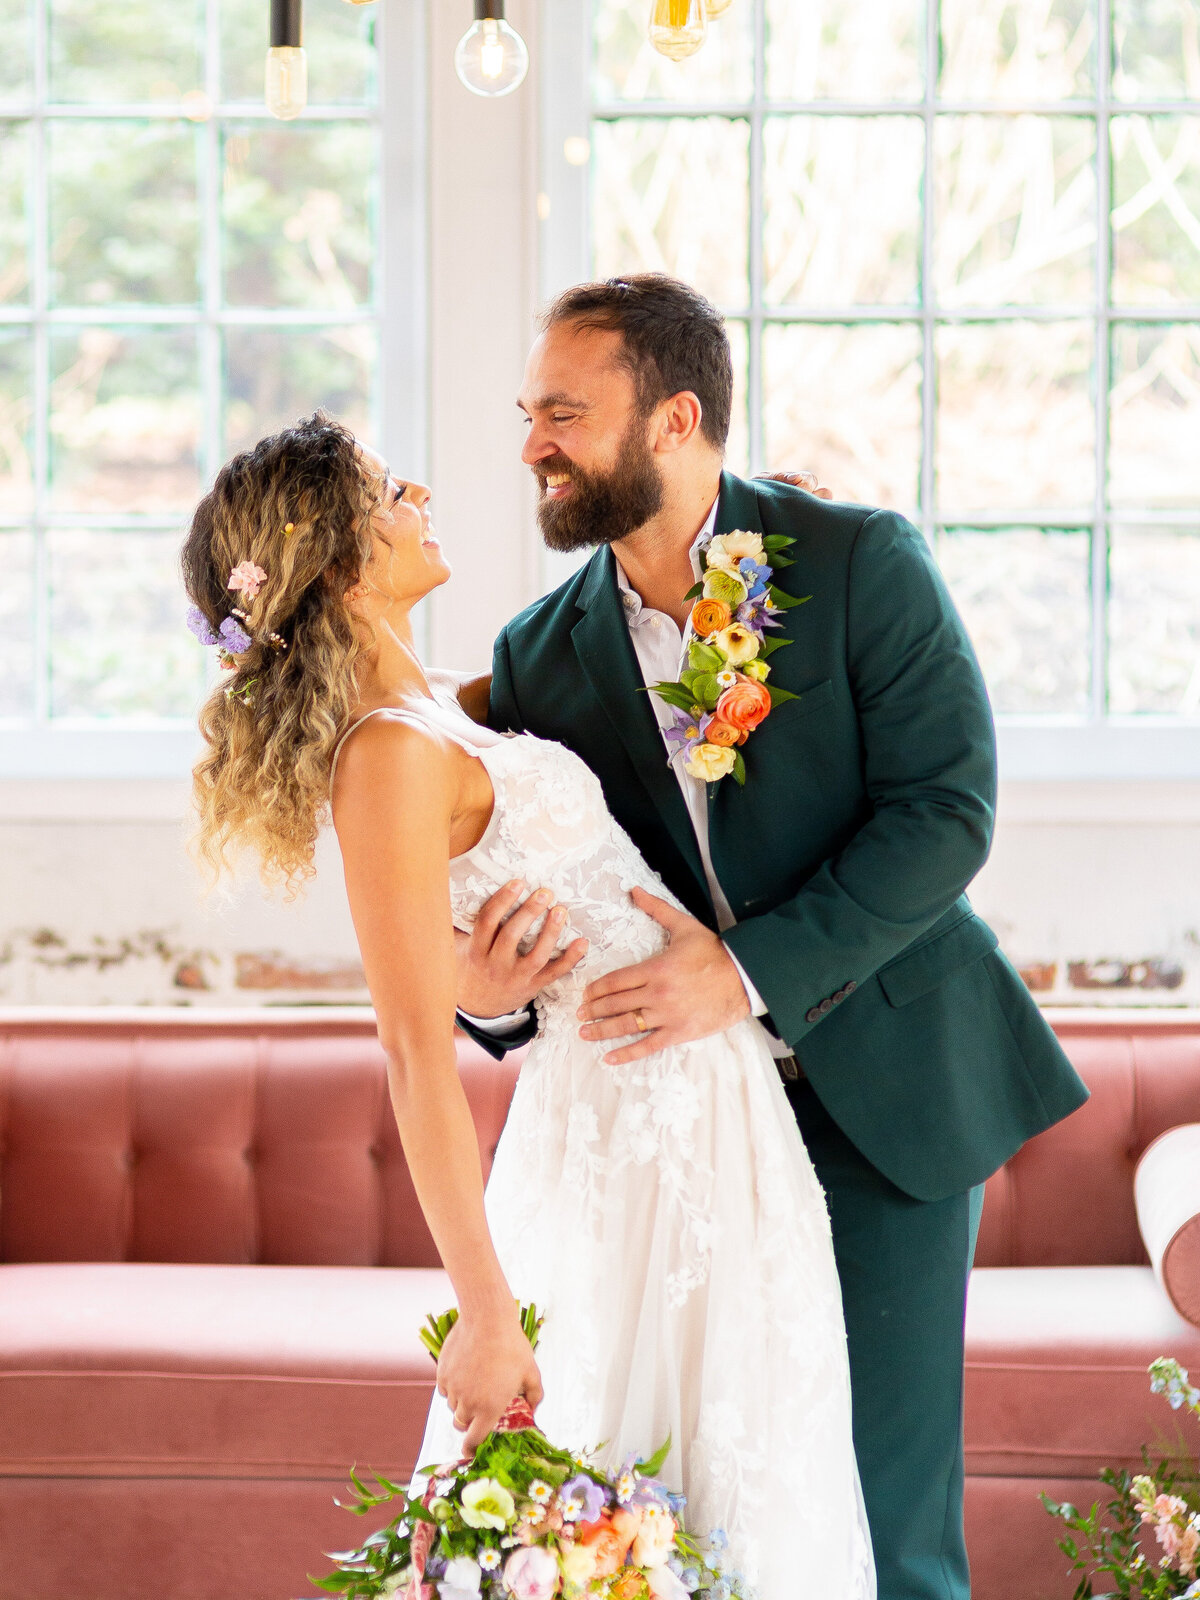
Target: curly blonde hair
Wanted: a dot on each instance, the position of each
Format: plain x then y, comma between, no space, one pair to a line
272,723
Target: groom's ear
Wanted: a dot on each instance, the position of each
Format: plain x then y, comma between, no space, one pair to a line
677,422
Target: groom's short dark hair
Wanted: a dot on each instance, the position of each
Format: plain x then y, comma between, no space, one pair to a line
674,339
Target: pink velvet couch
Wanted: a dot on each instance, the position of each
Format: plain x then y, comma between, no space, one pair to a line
212,1269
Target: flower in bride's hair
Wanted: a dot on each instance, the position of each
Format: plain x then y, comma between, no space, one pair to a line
247,579
708,762
233,637
198,624
487,1504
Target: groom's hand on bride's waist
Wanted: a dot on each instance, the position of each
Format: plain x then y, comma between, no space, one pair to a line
691,990
494,978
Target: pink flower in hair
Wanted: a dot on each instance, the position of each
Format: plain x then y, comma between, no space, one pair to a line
247,579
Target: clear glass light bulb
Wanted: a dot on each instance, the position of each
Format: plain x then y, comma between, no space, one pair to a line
678,27
287,81
491,58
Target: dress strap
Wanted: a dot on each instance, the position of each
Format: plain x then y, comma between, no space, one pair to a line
474,740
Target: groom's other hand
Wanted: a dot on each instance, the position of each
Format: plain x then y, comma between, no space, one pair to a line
799,480
494,978
689,991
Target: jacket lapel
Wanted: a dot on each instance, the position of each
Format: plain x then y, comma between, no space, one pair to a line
606,656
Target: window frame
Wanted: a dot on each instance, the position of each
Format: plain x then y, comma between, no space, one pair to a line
1100,745
73,748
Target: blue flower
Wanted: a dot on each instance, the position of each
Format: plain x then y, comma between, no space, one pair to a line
718,1539
755,578
690,1579
198,624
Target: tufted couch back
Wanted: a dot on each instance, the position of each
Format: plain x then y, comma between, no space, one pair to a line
1066,1198
268,1137
212,1137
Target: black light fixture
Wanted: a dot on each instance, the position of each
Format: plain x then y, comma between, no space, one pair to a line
287,65
491,58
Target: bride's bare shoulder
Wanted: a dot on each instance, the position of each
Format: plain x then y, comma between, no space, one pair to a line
393,748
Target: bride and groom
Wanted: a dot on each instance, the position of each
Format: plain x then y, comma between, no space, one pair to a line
707,967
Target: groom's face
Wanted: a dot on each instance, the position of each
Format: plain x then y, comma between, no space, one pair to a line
588,444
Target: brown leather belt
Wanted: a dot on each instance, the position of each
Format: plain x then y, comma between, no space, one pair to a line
790,1069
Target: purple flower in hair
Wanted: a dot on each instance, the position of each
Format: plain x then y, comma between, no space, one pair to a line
198,624
233,637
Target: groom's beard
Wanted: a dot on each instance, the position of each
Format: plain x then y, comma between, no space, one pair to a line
602,507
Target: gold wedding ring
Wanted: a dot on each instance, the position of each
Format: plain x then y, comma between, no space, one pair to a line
641,1022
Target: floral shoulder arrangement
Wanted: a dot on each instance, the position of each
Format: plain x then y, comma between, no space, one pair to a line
1109,1546
525,1520
724,694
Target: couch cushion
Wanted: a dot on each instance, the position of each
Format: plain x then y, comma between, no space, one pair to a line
121,1369
1056,1382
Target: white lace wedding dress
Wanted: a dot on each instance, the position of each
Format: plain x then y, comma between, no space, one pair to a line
665,1218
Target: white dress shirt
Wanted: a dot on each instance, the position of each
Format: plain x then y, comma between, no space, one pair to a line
661,651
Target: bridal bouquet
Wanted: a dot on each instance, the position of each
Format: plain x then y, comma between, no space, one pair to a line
1164,1500
525,1520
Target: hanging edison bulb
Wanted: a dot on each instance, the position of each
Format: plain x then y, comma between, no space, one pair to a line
678,27
287,65
491,58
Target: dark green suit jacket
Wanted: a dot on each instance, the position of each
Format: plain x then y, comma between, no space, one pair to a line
867,810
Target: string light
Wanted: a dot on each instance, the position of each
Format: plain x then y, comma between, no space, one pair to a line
491,58
678,27
287,65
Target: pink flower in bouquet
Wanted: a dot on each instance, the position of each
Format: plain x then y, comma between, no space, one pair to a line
1189,1549
1168,1514
664,1585
531,1573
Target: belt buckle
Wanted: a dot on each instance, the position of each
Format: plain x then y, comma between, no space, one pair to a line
789,1068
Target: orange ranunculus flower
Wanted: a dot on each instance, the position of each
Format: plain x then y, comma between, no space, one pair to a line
631,1585
743,706
722,733
709,616
610,1539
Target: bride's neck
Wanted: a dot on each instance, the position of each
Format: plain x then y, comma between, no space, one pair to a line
392,672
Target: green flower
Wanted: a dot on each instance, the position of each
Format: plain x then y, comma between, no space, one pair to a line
725,586
487,1504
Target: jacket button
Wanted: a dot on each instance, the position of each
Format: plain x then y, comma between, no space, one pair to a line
839,997
825,1007
812,1016
850,987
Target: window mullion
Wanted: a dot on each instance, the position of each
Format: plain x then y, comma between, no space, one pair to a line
39,299
209,334
754,328
928,513
1100,539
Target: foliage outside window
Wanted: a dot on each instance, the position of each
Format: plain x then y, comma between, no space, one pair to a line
898,212
179,273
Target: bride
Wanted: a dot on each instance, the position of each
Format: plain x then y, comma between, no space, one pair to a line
664,1216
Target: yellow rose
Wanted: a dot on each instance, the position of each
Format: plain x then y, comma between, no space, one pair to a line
708,762
758,670
737,643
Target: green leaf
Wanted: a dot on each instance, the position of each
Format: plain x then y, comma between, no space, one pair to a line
785,601
705,657
708,691
694,592
739,767
675,695
688,677
778,696
777,541
651,1468
772,643
781,561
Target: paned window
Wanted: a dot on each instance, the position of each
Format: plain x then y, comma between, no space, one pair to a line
179,274
898,211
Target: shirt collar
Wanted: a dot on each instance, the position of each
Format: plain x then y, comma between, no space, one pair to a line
631,600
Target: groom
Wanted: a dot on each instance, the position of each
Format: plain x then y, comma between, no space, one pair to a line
826,895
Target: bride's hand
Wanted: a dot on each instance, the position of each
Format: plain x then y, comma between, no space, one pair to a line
486,1363
494,978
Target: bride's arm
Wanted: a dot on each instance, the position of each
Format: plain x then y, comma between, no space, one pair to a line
395,795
